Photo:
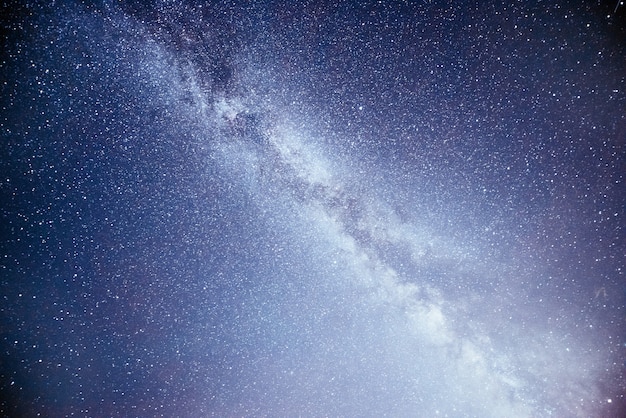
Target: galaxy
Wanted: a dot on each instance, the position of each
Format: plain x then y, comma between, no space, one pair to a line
313,209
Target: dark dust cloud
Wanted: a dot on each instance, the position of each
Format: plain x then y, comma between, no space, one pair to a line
313,209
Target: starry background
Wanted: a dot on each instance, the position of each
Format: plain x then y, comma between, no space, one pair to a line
313,209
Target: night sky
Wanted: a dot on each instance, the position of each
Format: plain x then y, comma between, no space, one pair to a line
343,209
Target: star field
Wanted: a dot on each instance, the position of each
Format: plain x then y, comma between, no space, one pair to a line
313,209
